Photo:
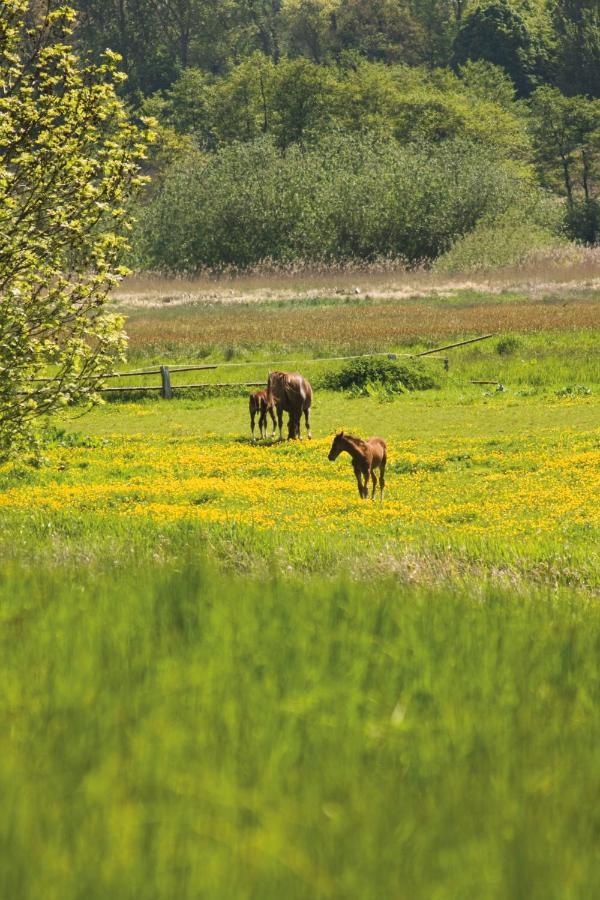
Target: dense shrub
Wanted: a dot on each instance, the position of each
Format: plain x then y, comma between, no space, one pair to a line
507,345
583,221
513,239
347,198
361,375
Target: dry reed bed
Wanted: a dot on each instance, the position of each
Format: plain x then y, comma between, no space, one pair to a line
562,269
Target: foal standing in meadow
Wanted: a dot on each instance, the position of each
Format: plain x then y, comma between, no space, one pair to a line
367,456
260,404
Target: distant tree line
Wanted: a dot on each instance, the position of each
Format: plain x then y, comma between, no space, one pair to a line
534,41
513,82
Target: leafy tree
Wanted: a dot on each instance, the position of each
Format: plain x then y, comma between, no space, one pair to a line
133,29
308,27
293,100
566,135
187,106
381,30
577,25
299,102
496,32
241,103
195,32
67,161
444,106
369,98
488,81
439,21
303,101
260,21
157,39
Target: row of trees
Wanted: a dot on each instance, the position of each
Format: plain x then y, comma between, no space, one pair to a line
518,76
297,102
534,41
549,136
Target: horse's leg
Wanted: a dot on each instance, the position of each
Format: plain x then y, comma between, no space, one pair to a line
280,421
293,425
381,481
307,420
262,424
366,485
358,474
273,419
252,418
374,483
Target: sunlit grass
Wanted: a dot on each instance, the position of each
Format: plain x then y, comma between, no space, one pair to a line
396,700
507,484
176,733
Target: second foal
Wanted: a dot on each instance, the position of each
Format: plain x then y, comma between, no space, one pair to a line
367,456
259,404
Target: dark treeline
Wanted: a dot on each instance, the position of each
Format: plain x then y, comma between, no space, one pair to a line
535,41
344,129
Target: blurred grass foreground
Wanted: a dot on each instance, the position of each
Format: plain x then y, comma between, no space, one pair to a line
178,733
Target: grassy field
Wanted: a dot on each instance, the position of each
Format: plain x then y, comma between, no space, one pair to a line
498,485
177,733
226,676
480,480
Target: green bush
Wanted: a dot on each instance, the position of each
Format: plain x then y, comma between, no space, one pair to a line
531,225
496,245
349,198
576,390
362,375
507,345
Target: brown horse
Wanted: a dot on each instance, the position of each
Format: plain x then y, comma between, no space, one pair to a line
259,404
290,392
366,457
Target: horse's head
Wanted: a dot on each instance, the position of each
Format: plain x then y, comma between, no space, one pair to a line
337,446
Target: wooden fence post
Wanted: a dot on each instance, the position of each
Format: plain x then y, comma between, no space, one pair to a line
167,390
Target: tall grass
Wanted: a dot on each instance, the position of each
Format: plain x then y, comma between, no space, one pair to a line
176,733
334,326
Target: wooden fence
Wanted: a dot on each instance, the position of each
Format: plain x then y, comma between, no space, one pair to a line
166,387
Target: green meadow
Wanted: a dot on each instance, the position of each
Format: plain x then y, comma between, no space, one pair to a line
225,676
173,732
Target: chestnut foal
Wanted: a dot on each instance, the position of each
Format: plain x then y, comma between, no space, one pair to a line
366,457
259,404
